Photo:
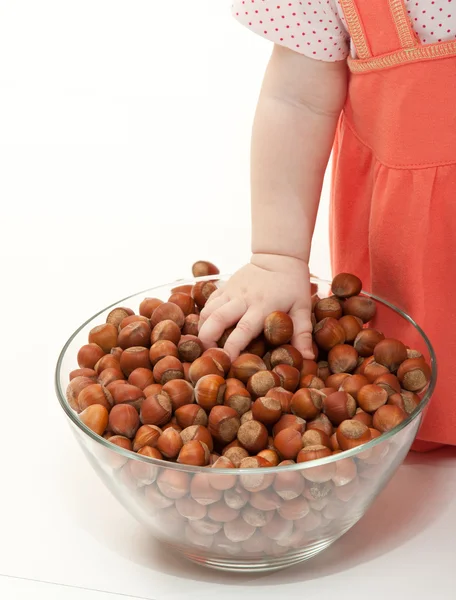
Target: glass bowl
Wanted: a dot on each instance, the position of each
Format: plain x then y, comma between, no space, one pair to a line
257,519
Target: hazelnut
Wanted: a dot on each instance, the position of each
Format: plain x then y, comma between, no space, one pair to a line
89,355
107,362
353,384
148,305
190,348
156,410
223,423
222,482
84,372
306,403
311,381
226,334
322,423
95,417
388,417
202,291
389,383
278,528
167,311
309,453
156,499
220,512
74,388
247,365
124,420
407,401
288,443
236,498
260,383
162,349
237,398
168,368
255,482
238,530
191,325
210,391
390,353
202,491
255,517
266,410
371,397
323,371
199,433
270,455
202,366
345,285
310,367
190,414
155,388
184,289
372,370
94,394
124,393
104,335
110,375
342,359
141,377
133,358
220,357
173,484
147,435
345,473
352,326
184,301
363,417
117,315
194,453
135,334
366,340
286,355
133,319
247,416
351,434
294,509
288,377
339,407
170,443
257,346
414,374
361,307
203,268
190,509
278,328
165,330
235,454
315,437
328,307
253,436
289,421
143,473
288,484
283,396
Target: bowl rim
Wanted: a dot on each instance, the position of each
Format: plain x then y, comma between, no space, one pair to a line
236,471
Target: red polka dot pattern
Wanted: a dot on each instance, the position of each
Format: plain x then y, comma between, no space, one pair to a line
317,28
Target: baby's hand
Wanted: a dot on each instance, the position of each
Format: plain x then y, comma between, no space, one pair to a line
268,283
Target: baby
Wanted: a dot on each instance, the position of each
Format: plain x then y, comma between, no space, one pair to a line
373,81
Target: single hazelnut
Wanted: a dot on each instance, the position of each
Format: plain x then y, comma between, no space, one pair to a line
363,417
352,326
260,383
203,268
315,437
311,381
345,285
117,315
236,498
366,340
255,482
135,334
204,365
223,423
124,420
328,333
147,435
388,417
184,301
346,472
168,368
235,454
194,453
371,397
84,372
237,398
202,491
306,403
310,367
287,355
294,509
253,436
342,358
352,385
255,517
390,353
372,370
170,443
407,401
289,421
190,414
173,484
247,365
95,417
155,499
186,288
361,307
110,375
125,393
201,292
247,416
210,391
270,455
133,319
266,410
220,357
220,512
190,509
104,336
328,307
156,410
167,311
351,434
414,374
141,377
322,423
323,370
190,348
278,528
191,325
74,388
226,334
142,472
238,530
199,433
283,396
94,394
257,346
288,443
278,328
148,305
339,407
162,349
150,390
165,330
88,355
389,383
133,358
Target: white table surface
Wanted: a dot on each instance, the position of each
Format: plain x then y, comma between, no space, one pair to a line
124,148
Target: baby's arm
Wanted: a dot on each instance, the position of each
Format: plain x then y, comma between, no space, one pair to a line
298,109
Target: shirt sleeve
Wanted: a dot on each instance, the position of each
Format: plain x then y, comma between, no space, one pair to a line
311,27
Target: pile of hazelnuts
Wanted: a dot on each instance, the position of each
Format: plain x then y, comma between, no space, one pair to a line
146,383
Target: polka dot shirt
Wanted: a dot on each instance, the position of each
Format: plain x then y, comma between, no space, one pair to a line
317,28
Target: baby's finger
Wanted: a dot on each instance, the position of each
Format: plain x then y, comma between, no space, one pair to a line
219,320
211,307
248,328
302,326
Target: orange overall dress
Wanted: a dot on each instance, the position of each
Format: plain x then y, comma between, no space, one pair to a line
393,206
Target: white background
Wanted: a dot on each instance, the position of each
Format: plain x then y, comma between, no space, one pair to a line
124,146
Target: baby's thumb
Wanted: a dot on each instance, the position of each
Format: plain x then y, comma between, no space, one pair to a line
302,336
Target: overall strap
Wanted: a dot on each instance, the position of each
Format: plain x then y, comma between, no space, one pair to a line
378,27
